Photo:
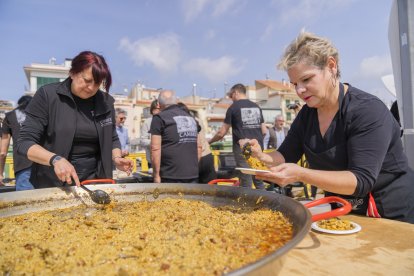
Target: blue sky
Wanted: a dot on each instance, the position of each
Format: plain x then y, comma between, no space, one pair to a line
176,43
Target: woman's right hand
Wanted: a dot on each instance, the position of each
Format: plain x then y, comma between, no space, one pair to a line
256,150
65,171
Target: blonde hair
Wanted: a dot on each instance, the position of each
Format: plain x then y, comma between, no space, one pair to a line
310,49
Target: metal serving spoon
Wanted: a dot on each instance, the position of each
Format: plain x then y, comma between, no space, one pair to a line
98,196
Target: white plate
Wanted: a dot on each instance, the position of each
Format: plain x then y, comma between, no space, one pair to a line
356,229
251,171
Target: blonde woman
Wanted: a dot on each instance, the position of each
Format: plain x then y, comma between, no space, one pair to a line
349,137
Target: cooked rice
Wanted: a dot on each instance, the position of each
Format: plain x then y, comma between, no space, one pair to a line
162,237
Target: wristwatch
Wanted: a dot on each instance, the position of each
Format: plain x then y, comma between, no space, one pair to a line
54,159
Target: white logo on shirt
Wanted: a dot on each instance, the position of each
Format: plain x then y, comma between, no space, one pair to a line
187,129
250,117
106,122
21,116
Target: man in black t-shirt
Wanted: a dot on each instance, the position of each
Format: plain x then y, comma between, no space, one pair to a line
246,119
175,150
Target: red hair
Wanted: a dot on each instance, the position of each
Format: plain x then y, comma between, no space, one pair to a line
100,69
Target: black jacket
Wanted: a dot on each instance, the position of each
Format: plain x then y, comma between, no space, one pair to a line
51,123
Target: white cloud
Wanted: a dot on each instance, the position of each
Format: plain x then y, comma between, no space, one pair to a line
267,32
370,75
192,8
376,66
215,70
222,6
308,10
162,51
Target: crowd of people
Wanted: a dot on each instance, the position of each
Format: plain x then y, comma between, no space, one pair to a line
70,132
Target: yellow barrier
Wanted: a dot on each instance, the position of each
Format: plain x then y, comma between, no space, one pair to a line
139,155
216,154
9,167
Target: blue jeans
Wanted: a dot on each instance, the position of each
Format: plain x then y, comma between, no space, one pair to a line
23,180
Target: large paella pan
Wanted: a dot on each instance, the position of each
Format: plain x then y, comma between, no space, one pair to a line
18,203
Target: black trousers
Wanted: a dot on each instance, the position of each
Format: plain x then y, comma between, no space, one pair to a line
206,170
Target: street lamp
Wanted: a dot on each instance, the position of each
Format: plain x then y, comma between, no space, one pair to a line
194,89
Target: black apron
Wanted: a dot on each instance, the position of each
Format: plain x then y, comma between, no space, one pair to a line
391,194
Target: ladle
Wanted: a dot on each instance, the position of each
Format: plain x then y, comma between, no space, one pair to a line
97,196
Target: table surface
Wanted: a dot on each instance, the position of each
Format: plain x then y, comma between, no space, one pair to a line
382,247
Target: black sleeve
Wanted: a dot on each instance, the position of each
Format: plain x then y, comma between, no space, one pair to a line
292,147
37,119
6,127
115,139
198,126
261,116
394,111
229,111
156,125
369,137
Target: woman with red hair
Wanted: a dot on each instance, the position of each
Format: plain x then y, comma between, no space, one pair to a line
69,132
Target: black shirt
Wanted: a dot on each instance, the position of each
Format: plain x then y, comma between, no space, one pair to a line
245,118
11,125
178,131
363,138
85,142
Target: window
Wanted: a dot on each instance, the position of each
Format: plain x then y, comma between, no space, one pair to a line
42,81
146,112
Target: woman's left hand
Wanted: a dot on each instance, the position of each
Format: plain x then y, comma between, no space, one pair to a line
284,174
124,164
